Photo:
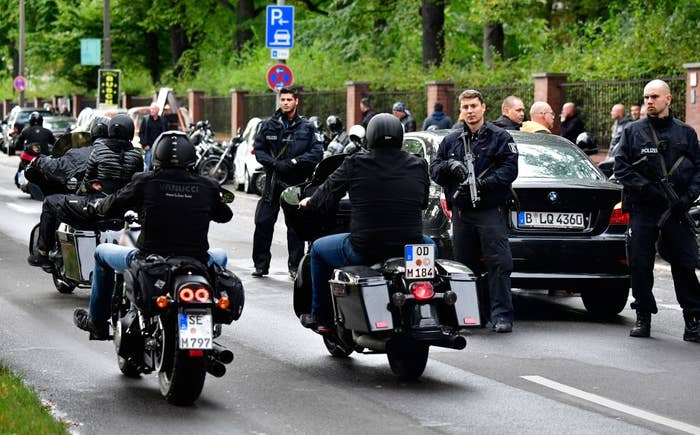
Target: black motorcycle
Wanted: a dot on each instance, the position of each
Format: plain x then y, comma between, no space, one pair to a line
217,161
399,306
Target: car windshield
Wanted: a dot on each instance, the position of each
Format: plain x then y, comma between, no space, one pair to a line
554,161
58,124
24,115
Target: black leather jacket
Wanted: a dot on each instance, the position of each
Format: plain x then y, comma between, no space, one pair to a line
32,134
175,207
113,162
504,122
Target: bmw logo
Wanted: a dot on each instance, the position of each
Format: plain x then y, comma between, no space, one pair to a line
553,197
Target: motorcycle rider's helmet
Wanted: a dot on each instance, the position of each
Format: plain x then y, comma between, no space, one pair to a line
334,124
357,133
100,128
384,131
121,127
173,149
316,122
35,118
585,140
201,125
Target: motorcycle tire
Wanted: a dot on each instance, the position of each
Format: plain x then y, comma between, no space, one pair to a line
221,175
180,376
64,286
119,309
248,185
335,347
408,362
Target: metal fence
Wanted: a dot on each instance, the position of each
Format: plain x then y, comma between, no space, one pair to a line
259,105
323,104
140,101
217,110
414,100
595,99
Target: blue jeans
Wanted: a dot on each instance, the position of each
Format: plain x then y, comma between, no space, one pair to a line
110,258
147,159
328,253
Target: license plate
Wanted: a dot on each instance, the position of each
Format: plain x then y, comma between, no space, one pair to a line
195,330
536,219
420,261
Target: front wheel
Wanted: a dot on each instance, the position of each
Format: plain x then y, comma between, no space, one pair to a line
408,361
606,301
208,169
335,347
180,376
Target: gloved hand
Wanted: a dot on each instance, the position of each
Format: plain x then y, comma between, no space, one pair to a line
681,206
458,170
91,207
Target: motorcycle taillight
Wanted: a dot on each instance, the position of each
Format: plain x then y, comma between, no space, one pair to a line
186,294
422,290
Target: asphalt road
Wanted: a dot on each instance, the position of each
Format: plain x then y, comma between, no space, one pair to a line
560,371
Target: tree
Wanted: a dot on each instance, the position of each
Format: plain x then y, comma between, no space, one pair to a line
433,14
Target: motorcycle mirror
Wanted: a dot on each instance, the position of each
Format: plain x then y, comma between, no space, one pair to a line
291,195
227,196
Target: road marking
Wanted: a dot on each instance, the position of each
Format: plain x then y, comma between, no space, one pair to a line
621,407
23,208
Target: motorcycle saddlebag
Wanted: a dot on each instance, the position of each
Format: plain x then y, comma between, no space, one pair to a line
78,251
361,297
465,312
227,281
146,279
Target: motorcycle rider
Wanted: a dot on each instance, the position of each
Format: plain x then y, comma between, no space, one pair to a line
176,206
338,138
388,190
35,133
112,163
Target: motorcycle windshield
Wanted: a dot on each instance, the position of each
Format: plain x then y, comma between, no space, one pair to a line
326,167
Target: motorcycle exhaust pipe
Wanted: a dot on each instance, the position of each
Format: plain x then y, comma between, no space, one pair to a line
215,368
222,354
453,342
372,343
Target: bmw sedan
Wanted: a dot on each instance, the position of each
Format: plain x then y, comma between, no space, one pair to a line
566,226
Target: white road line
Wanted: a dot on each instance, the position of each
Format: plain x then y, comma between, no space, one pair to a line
621,407
23,208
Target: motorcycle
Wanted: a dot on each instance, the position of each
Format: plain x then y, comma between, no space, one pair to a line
30,152
166,315
399,306
217,161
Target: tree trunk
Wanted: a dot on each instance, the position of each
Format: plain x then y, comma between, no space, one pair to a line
246,11
152,57
178,43
433,14
492,42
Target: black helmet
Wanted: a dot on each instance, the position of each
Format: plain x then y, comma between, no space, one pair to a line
585,140
335,125
100,127
121,127
316,122
35,118
172,149
384,131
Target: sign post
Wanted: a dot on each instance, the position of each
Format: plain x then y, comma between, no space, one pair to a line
19,83
108,88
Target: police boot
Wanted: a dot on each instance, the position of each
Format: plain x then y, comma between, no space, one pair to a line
692,328
642,327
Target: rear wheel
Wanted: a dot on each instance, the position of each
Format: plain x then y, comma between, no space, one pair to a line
180,376
220,175
119,309
248,186
408,361
336,347
606,301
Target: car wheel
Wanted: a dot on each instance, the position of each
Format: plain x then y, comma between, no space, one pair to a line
607,300
248,185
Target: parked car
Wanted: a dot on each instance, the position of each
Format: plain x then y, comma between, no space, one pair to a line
16,121
87,116
566,228
59,125
249,175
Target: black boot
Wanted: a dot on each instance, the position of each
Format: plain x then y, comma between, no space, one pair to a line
692,328
642,327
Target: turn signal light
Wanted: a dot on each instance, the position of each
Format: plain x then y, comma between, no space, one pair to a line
422,290
618,217
223,303
443,204
201,294
186,294
162,302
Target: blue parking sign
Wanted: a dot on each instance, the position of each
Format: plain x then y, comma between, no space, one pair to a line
279,29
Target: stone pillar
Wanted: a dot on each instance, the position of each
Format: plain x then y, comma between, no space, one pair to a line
443,92
126,101
76,105
355,91
548,89
692,96
238,115
195,104
6,107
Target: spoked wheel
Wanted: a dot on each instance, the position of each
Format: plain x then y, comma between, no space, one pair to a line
208,169
408,361
180,376
119,309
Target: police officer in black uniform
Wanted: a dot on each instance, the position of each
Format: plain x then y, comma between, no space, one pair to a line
480,230
35,133
289,148
655,147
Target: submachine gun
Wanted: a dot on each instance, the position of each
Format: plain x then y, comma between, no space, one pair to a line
470,183
645,169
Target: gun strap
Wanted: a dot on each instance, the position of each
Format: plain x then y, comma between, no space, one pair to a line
676,164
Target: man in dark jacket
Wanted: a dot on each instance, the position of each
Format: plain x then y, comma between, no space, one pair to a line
289,148
437,118
620,120
400,111
366,110
571,124
151,127
479,225
176,207
388,189
35,133
111,165
654,148
513,113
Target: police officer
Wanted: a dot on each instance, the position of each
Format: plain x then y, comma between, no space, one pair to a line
480,230
652,148
176,206
289,148
35,133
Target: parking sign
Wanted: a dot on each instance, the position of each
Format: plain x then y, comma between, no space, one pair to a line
279,29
